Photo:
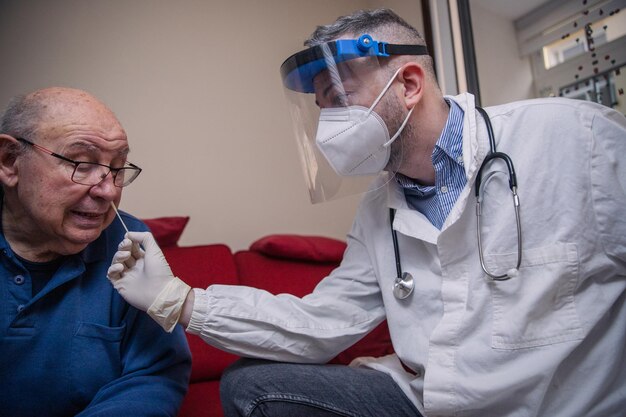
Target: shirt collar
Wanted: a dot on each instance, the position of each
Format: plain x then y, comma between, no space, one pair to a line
450,143
451,139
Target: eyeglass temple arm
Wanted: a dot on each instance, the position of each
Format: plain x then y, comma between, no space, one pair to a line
42,149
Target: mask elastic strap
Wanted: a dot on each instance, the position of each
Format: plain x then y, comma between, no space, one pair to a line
390,141
380,96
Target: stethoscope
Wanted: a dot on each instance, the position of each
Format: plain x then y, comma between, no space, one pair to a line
404,283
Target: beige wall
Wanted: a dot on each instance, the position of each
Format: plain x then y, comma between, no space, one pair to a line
197,87
503,75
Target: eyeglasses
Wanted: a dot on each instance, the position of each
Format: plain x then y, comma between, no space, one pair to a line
92,173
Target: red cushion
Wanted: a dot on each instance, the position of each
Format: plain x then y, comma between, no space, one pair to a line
201,266
202,400
167,230
280,275
306,248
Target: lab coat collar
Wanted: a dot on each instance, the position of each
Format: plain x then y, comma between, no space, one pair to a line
413,223
474,149
409,221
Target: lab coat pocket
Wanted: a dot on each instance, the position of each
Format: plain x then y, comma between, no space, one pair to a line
536,307
96,358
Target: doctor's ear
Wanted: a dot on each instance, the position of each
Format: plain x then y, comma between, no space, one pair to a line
10,148
413,77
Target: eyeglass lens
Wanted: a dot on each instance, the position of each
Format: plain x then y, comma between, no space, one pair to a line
92,174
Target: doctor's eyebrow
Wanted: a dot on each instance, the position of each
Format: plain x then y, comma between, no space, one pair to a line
327,90
324,94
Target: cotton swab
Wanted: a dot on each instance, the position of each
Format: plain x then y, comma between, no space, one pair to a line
119,217
122,221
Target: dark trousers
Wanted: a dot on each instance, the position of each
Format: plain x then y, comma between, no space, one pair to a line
255,388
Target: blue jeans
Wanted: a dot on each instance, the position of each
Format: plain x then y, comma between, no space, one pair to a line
256,388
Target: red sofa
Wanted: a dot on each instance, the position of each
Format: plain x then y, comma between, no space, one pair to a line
277,263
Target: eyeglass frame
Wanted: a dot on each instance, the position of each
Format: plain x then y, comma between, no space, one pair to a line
112,171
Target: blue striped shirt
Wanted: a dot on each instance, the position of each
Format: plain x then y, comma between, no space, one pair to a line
436,201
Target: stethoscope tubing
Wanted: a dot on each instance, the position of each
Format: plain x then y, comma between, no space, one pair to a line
404,283
494,154
394,236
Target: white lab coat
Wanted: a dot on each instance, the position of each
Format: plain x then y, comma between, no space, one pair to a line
549,342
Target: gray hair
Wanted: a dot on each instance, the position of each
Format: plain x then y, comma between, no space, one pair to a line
23,116
21,119
383,24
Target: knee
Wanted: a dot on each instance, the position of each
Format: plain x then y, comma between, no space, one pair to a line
240,385
248,382
234,377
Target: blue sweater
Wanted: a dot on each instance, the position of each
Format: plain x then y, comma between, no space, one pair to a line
77,348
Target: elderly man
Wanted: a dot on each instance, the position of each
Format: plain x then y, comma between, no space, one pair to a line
69,344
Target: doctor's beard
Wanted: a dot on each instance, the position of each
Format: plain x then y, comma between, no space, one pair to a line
402,147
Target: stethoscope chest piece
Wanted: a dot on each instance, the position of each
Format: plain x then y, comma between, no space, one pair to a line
403,286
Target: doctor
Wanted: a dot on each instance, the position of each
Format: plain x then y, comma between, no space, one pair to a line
532,324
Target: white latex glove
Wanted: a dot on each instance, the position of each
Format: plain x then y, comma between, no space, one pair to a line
144,279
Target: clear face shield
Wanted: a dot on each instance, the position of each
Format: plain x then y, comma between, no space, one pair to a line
336,92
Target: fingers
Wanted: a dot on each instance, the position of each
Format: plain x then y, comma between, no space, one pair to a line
124,259
130,245
128,252
127,256
146,240
115,272
121,256
136,251
143,238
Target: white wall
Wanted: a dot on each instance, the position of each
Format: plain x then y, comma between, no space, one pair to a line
503,75
196,85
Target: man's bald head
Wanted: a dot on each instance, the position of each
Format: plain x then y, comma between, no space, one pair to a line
30,114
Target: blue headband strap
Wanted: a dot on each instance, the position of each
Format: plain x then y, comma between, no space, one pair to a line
300,68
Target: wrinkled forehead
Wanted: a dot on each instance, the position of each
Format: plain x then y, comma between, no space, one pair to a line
66,110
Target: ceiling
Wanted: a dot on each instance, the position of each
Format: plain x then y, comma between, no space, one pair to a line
509,9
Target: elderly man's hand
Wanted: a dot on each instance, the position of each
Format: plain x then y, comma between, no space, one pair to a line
145,280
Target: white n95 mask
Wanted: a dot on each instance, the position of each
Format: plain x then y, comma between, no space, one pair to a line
354,139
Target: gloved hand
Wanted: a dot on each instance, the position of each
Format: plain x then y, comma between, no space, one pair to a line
144,279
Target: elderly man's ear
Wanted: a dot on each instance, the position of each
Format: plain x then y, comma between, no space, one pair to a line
9,149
